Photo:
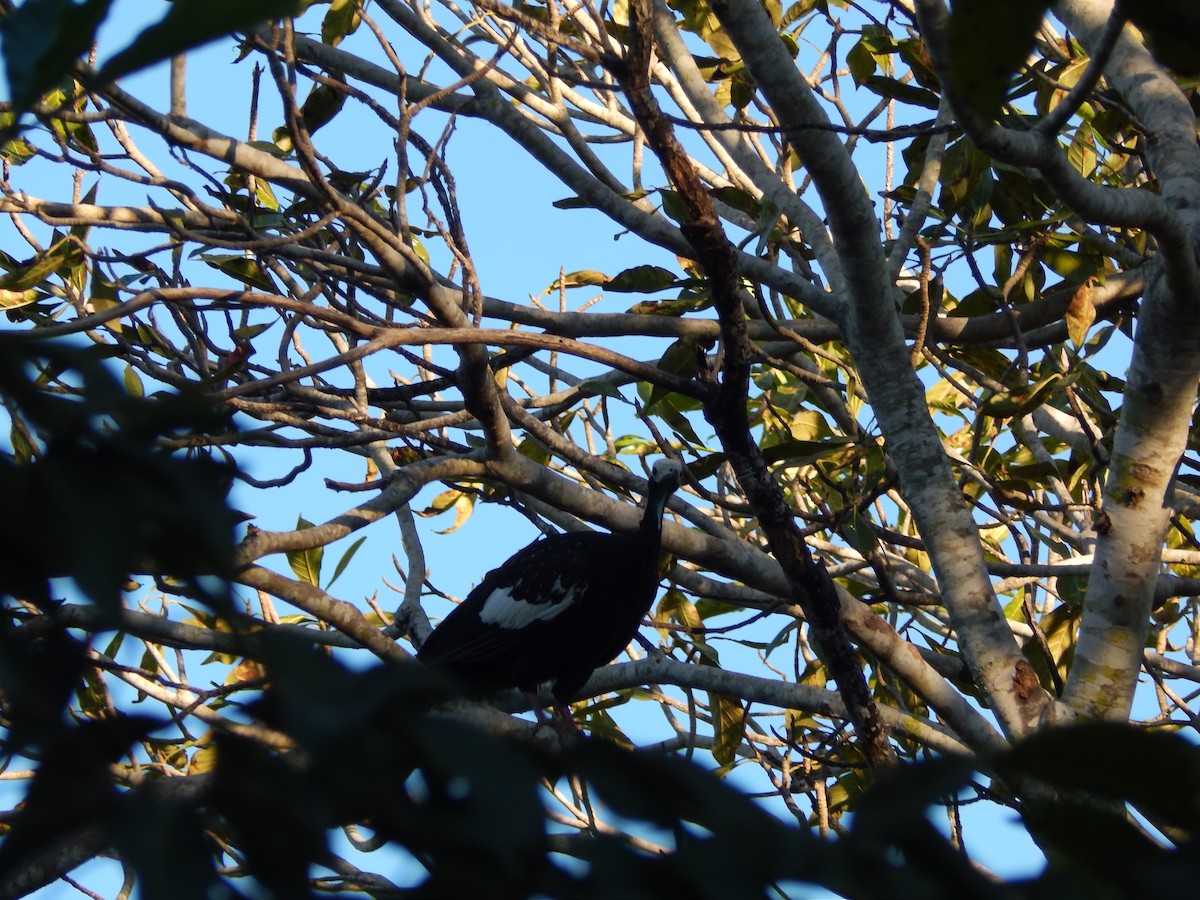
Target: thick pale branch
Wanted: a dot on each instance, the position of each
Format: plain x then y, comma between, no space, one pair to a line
314,601
659,670
1160,394
876,342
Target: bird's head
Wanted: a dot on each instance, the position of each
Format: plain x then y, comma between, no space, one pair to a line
666,472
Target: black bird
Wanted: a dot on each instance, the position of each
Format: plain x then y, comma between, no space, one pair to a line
557,609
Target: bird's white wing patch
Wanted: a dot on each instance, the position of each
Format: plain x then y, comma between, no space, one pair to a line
501,608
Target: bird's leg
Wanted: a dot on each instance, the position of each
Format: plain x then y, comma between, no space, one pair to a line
565,723
538,707
560,718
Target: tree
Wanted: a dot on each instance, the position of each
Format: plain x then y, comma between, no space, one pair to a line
929,517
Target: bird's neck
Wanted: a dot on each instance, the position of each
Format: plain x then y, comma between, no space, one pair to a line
656,504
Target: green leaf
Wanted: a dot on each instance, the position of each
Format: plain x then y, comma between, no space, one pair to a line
17,150
321,105
242,268
908,94
266,198
804,453
572,203
249,332
861,62
678,359
133,383
342,18
859,534
600,387
641,279
687,302
63,254
80,232
306,563
42,39
668,409
988,43
674,206
1169,28
344,561
192,23
22,450
741,200
1021,402
706,465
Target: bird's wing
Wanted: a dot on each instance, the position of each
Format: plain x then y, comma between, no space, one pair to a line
468,646
511,600
540,583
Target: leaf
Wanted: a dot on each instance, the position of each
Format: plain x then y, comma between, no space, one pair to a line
858,533
204,759
1170,28
1066,758
250,332
706,465
1081,313
242,268
464,505
668,409
739,199
989,42
1023,401
678,359
342,18
674,206
22,450
687,302
189,24
321,105
17,299
1061,627
641,279
603,387
907,94
266,198
306,563
344,561
572,203
17,150
133,383
578,279
441,503
63,254
861,62
42,39
80,231
676,607
728,719
805,453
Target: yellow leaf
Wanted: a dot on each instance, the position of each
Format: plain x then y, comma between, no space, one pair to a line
729,721
1081,313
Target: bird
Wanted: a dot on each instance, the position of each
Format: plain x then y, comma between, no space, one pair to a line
558,609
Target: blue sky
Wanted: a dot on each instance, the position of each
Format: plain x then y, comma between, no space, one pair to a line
519,242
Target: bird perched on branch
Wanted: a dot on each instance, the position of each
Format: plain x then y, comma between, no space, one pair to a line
557,609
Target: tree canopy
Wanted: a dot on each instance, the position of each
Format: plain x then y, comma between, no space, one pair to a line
909,289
